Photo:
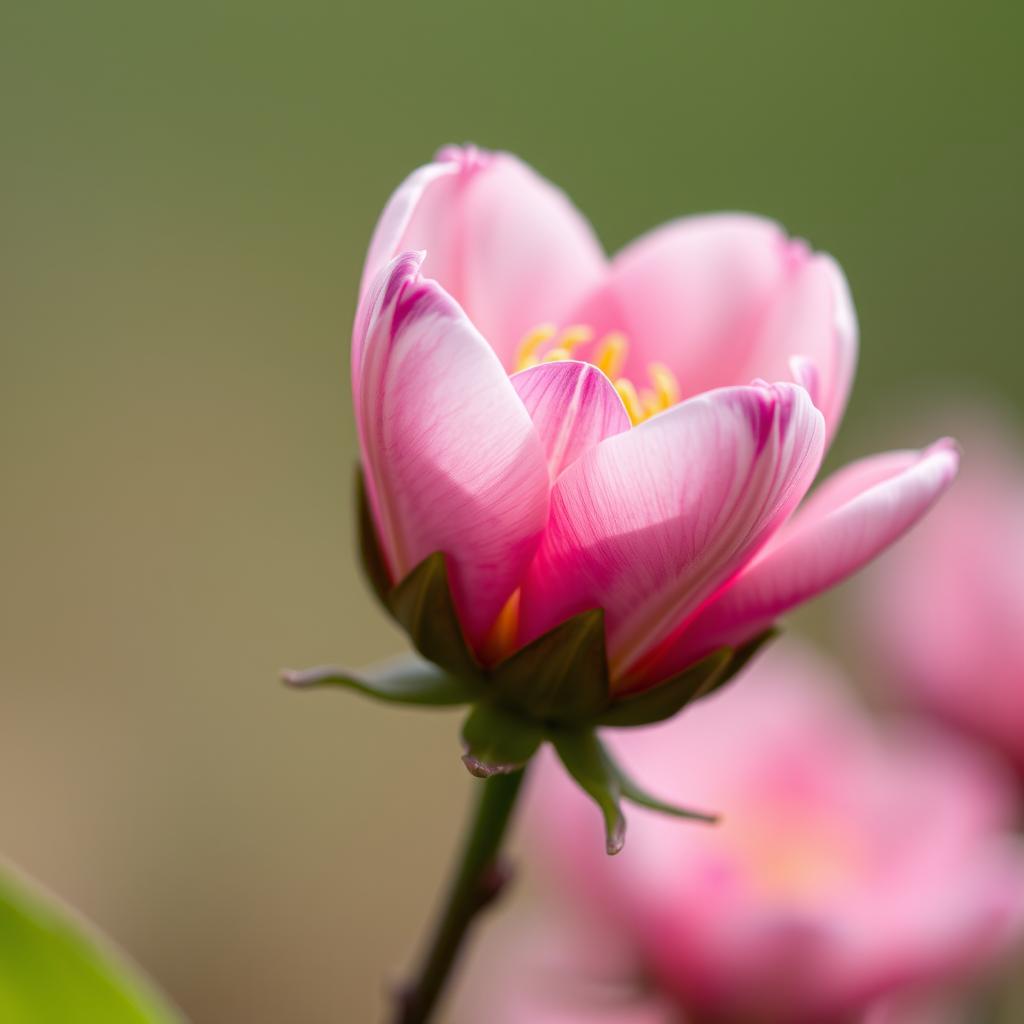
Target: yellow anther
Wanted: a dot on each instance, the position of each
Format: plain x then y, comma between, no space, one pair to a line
556,355
567,340
578,334
665,384
526,355
651,402
611,356
630,399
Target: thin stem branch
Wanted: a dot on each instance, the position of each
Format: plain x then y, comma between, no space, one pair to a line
478,879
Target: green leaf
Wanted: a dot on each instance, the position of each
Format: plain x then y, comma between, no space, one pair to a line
402,680
55,968
560,677
498,742
371,556
635,794
422,603
667,698
586,761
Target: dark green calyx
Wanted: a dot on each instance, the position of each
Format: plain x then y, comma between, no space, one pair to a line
423,606
497,741
672,695
561,677
589,762
555,689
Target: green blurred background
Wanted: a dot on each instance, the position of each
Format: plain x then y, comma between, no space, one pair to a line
186,192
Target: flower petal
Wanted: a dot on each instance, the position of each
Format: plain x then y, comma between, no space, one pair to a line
573,406
453,462
689,294
723,299
652,521
506,244
812,322
851,518
417,208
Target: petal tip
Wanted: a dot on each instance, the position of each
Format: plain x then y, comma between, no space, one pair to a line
466,157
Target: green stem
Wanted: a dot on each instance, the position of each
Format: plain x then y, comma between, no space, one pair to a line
478,880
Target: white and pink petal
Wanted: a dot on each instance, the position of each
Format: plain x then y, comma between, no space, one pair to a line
504,242
811,328
724,299
651,522
573,405
452,460
854,516
690,295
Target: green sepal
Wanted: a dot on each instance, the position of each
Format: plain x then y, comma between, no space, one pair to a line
370,555
595,770
421,603
402,680
423,606
637,795
561,677
668,697
54,966
587,762
743,656
498,742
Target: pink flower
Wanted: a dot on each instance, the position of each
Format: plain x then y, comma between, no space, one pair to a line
577,433
945,614
853,862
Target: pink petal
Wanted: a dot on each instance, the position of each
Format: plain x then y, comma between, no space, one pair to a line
812,321
501,240
453,462
418,207
724,299
573,406
652,521
689,294
849,520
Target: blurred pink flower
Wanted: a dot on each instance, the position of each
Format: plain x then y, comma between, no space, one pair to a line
945,613
852,863
578,433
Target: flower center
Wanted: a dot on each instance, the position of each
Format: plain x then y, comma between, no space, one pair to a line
546,344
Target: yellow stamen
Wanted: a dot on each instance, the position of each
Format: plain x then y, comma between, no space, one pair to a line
631,400
611,356
578,334
526,355
665,384
651,403
570,338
